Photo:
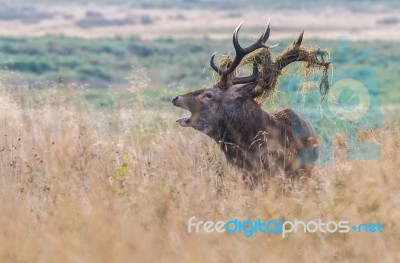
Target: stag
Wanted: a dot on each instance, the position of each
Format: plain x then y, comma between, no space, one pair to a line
229,113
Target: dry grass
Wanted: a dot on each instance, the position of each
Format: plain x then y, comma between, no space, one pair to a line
83,185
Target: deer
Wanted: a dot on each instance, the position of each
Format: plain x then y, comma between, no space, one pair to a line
252,139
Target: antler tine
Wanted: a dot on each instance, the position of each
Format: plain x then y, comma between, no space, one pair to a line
266,36
242,52
212,64
267,30
261,41
297,43
249,79
236,45
297,53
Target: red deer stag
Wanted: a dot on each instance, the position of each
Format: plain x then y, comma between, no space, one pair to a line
229,113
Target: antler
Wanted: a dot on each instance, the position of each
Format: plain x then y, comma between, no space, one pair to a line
271,68
297,53
240,54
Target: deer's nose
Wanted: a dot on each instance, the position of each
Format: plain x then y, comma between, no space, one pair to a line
175,99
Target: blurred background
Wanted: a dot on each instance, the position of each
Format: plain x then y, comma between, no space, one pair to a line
102,44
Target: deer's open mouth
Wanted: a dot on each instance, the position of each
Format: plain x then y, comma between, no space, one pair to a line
184,122
178,102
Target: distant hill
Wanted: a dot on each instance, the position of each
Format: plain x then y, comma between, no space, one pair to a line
215,4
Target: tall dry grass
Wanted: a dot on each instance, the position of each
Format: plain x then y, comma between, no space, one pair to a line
84,185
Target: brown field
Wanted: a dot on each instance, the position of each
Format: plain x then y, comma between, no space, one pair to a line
375,22
84,185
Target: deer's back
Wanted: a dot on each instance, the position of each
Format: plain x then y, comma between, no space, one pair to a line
301,134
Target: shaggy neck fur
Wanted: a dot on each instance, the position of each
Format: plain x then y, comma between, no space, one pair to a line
238,129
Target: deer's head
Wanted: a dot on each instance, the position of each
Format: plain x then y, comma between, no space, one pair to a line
211,107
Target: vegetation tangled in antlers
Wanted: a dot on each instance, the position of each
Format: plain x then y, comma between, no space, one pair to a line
271,67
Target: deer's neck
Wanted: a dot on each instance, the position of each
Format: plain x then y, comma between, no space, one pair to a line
238,130
219,132
241,123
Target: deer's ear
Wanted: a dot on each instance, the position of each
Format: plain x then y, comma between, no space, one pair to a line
245,91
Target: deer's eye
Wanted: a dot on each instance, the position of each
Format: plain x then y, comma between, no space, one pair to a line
208,95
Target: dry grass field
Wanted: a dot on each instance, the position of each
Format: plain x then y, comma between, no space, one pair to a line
80,184
92,175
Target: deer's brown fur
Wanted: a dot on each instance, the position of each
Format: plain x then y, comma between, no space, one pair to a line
250,137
